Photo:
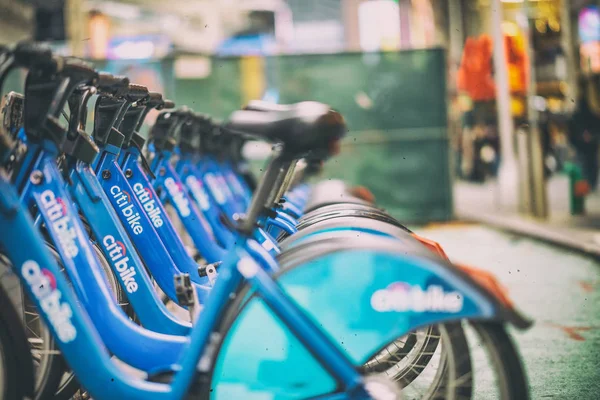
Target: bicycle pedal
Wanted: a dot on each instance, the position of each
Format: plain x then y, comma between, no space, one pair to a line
184,290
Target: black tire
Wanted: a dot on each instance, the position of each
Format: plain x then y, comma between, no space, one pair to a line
47,375
68,385
416,350
47,367
503,353
16,366
454,362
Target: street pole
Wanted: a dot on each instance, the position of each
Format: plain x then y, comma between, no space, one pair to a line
508,176
405,9
76,24
539,202
566,36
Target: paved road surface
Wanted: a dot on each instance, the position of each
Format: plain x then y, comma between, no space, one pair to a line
559,289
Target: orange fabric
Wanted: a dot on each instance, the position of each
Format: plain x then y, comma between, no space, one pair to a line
484,278
489,282
582,188
433,246
362,193
475,73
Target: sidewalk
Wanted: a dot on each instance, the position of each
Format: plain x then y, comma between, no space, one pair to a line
479,202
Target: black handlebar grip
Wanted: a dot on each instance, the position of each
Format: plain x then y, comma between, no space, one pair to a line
112,84
202,118
31,54
79,71
153,100
167,104
183,112
136,92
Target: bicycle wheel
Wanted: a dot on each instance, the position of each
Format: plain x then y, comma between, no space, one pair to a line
66,384
405,359
16,367
53,378
473,360
45,355
439,354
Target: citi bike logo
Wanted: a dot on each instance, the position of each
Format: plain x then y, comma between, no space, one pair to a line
118,255
400,296
198,191
126,207
178,197
60,221
215,188
144,195
43,285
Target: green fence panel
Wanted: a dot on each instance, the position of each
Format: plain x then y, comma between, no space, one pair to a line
408,175
226,94
197,94
373,90
395,107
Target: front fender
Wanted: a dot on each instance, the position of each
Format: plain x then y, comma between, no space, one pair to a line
363,293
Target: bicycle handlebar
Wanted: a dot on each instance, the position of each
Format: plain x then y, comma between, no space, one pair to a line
79,71
167,104
136,92
112,84
30,54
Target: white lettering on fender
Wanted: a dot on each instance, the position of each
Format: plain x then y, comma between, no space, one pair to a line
400,296
117,253
144,195
61,222
125,206
198,191
215,188
43,286
181,202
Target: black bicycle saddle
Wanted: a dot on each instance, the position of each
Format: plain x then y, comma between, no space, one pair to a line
307,127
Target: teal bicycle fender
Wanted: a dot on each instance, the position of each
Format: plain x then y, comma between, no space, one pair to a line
364,293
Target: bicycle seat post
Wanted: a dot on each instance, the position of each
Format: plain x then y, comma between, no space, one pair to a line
266,186
284,184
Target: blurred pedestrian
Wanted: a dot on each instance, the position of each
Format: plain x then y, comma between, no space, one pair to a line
584,133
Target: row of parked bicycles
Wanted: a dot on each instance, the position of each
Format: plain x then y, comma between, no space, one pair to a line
158,267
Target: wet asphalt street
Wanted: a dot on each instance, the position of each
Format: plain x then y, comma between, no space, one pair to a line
559,289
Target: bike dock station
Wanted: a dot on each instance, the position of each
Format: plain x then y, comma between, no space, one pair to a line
336,199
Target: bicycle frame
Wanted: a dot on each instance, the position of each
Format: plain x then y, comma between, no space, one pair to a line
75,335
120,252
141,230
217,186
45,188
154,209
194,183
169,184
189,173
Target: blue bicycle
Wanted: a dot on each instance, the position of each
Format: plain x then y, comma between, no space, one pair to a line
312,324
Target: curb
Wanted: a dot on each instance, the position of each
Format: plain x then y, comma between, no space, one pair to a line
573,239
